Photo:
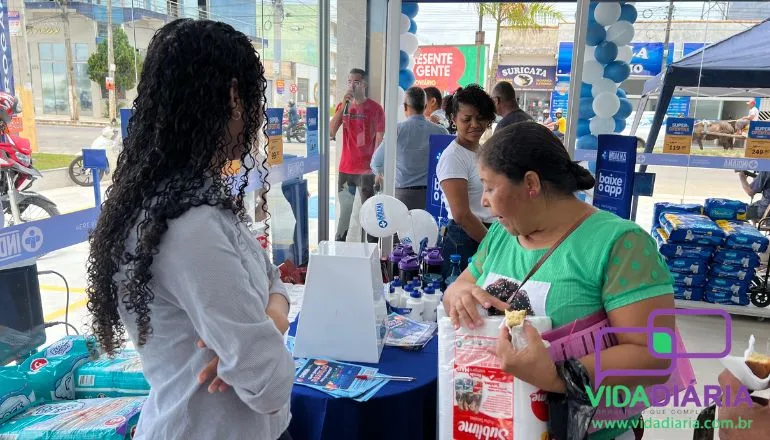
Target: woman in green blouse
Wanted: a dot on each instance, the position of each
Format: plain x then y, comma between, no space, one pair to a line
607,263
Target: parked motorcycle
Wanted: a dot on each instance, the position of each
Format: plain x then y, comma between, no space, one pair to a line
296,131
109,140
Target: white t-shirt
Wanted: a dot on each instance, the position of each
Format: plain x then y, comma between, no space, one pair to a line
754,114
460,163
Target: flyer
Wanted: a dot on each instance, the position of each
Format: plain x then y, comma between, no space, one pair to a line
339,379
404,332
274,139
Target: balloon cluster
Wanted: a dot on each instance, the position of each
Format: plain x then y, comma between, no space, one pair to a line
603,106
408,46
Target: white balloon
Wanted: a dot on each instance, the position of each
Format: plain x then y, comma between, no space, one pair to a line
625,53
420,225
593,71
603,85
405,23
620,33
401,96
606,105
381,215
409,43
411,63
600,125
607,13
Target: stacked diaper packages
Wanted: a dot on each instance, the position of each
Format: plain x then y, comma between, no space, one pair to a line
95,419
16,394
725,209
661,208
119,376
51,371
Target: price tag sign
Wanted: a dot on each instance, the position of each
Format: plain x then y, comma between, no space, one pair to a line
678,135
758,143
274,138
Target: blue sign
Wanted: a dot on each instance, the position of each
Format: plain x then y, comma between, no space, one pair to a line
6,76
616,160
125,115
692,47
647,59
679,107
687,160
312,130
434,203
274,121
559,101
30,240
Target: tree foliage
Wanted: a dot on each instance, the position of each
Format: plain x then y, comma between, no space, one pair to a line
125,75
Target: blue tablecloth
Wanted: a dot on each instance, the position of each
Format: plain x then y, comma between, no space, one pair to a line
400,410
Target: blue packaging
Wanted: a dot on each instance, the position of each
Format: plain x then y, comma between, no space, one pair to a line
688,266
691,229
91,419
726,298
688,280
120,376
743,236
678,250
734,257
688,293
728,286
735,272
725,209
661,208
16,394
51,371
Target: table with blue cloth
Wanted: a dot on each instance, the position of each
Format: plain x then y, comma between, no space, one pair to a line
400,410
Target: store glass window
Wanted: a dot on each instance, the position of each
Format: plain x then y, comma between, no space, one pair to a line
82,82
53,78
302,89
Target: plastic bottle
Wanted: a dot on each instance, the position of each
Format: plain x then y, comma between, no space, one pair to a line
393,259
396,291
417,305
430,301
439,294
454,271
409,268
406,294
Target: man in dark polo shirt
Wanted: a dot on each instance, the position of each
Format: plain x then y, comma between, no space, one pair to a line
506,105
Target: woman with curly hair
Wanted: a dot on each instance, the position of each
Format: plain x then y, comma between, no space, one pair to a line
172,261
470,112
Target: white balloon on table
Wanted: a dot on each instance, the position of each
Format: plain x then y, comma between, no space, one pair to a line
419,226
382,215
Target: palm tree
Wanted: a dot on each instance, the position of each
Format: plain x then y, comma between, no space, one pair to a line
522,16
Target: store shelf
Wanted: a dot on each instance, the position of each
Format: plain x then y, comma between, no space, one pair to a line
749,310
684,160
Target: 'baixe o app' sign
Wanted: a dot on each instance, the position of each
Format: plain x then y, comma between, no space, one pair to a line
615,162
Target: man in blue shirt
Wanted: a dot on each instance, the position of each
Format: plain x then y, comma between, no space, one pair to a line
412,151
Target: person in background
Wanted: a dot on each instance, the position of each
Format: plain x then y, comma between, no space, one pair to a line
504,97
760,185
471,112
545,119
412,151
742,124
363,122
558,125
434,107
293,114
444,102
758,413
172,261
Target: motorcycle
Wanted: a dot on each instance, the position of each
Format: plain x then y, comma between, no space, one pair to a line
296,131
109,140
16,176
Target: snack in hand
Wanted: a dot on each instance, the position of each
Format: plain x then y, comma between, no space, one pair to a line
503,289
759,364
514,318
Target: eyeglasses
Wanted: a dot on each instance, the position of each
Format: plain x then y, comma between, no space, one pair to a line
354,83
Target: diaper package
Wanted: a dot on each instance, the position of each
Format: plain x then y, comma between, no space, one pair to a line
661,208
688,266
51,371
743,236
728,286
736,272
734,257
16,395
691,229
679,250
92,419
725,209
726,298
689,280
689,293
120,376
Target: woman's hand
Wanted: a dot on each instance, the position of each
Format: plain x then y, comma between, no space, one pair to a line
461,301
758,413
278,311
532,364
209,373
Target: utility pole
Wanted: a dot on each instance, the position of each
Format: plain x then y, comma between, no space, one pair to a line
73,97
111,64
277,21
479,40
667,38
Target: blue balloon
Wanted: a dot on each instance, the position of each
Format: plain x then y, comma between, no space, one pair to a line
410,9
587,108
412,27
592,168
595,34
405,78
403,60
588,142
625,109
628,13
621,93
583,127
620,125
617,71
606,52
591,9
585,90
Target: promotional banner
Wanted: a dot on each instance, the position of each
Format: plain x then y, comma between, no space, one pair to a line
433,204
274,139
679,107
312,131
449,67
758,143
528,77
692,47
6,75
678,135
30,240
559,101
615,162
646,61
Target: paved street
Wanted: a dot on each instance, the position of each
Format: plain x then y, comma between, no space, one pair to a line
63,139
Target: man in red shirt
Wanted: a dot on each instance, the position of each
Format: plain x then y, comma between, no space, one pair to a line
363,122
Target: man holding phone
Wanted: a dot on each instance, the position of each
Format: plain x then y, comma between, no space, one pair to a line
363,122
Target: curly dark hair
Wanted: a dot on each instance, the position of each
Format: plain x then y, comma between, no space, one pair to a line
529,146
471,95
173,159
